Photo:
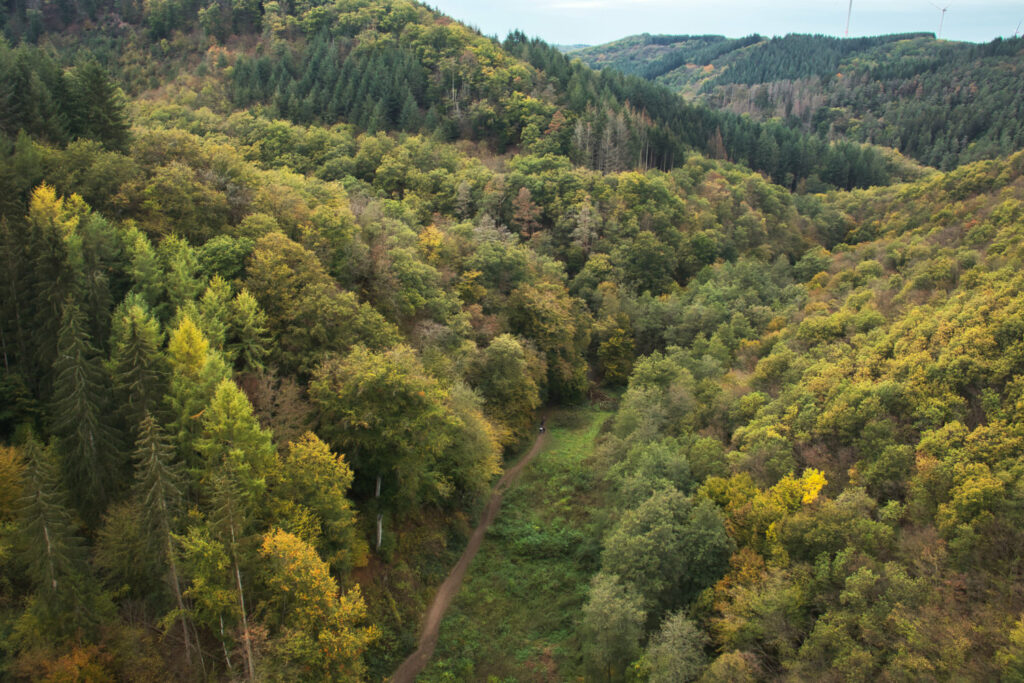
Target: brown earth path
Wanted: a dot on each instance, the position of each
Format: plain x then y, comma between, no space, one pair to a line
417,661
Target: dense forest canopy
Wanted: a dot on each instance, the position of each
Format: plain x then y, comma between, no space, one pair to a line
283,287
940,102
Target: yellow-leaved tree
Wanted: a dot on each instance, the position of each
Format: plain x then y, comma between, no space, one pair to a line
315,632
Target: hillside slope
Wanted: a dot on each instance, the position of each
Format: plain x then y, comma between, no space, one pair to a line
282,287
940,102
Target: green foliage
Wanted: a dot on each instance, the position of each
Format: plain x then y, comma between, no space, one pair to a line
693,550
90,462
137,368
388,416
924,97
196,372
507,382
676,651
52,550
311,484
812,468
306,310
560,328
517,614
313,629
612,627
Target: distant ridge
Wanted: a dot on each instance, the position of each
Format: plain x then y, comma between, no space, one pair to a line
905,91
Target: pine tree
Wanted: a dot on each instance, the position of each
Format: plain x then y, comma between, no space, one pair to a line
88,446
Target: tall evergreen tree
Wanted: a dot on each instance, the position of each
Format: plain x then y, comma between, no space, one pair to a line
52,222
97,108
158,489
66,602
238,456
248,340
196,371
50,548
136,365
13,296
87,444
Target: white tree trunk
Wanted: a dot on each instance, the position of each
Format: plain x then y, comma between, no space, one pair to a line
380,516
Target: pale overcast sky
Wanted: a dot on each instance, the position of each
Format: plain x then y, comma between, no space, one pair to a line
600,21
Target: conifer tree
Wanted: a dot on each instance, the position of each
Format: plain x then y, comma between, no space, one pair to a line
95,257
50,548
238,455
97,107
52,222
409,120
88,446
66,602
195,372
248,339
158,488
181,271
210,313
136,365
13,346
145,271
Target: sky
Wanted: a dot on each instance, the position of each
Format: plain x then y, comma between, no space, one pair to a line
569,22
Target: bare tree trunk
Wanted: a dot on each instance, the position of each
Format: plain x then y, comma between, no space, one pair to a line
227,655
250,664
380,516
181,604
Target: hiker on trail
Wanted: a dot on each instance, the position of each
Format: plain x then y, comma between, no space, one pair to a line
542,421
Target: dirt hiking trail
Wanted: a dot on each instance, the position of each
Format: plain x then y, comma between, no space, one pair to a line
417,661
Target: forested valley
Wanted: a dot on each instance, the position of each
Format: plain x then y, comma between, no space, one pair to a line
940,102
285,287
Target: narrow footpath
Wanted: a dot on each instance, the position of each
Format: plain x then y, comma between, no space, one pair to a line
417,661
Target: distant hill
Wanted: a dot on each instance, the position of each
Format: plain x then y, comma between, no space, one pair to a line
285,286
943,103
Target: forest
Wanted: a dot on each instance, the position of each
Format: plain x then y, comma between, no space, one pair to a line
942,103
285,288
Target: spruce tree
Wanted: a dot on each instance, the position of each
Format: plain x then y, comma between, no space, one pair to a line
13,296
158,489
52,278
88,446
50,549
97,107
409,120
238,456
248,340
136,364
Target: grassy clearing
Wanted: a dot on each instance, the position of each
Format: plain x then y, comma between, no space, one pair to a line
515,617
